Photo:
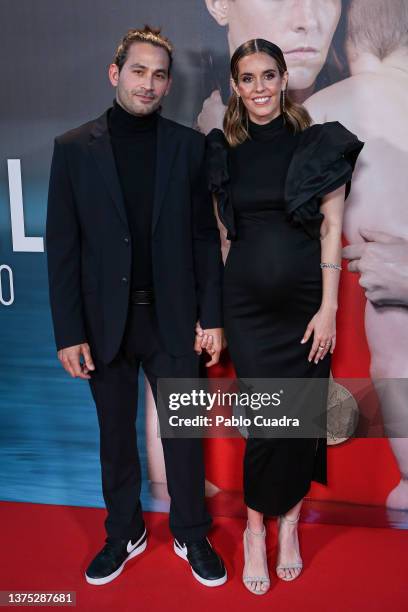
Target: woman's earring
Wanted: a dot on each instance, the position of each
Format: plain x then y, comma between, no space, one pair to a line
234,88
284,100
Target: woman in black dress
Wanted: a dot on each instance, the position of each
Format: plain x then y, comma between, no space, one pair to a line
280,185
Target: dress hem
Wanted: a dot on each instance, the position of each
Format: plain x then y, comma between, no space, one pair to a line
285,508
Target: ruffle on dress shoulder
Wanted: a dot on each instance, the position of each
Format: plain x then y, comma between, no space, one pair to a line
324,160
218,178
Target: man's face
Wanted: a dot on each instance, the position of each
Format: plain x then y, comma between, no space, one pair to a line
143,81
303,29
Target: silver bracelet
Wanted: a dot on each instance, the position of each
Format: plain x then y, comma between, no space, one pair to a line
330,265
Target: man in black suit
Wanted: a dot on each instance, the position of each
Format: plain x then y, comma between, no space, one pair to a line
134,263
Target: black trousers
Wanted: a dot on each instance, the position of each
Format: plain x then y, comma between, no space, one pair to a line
114,388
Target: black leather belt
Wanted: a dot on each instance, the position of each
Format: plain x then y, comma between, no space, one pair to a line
142,296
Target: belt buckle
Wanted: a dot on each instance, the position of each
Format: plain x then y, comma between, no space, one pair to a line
142,297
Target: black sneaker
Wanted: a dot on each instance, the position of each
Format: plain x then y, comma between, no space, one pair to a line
110,561
206,565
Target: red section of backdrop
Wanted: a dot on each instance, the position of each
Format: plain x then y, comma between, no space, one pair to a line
359,470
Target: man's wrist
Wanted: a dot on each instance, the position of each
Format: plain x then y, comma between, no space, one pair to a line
211,323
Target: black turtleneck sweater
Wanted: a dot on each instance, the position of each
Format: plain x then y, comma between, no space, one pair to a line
134,149
255,187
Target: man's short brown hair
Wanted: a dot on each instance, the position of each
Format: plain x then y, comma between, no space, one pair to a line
147,35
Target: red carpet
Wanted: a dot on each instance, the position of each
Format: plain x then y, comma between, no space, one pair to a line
347,569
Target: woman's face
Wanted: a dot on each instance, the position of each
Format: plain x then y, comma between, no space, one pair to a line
303,29
259,85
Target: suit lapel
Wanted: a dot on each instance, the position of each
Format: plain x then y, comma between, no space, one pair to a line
101,150
167,145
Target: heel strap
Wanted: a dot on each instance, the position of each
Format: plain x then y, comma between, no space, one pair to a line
288,520
254,533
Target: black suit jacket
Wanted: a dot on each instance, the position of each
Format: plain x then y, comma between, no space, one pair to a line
89,245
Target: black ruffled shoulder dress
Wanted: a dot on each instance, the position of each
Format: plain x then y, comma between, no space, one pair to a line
269,191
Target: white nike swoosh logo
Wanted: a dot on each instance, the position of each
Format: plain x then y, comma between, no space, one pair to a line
131,547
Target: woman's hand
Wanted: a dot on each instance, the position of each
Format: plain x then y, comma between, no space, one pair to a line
323,327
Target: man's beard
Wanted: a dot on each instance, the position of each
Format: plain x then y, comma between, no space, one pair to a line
133,106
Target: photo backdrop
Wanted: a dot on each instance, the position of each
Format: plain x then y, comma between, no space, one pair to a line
54,58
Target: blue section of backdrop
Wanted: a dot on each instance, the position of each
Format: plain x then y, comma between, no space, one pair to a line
48,428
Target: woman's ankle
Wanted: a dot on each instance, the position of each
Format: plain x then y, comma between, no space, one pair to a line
257,530
291,519
255,522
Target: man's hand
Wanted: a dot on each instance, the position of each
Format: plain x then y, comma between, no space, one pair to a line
70,358
382,261
212,115
211,340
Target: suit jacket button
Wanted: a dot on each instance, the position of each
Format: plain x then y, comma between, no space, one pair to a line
126,240
124,279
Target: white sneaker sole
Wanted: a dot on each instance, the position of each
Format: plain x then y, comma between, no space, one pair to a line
100,581
209,583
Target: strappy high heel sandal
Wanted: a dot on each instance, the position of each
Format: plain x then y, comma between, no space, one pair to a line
247,580
296,564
